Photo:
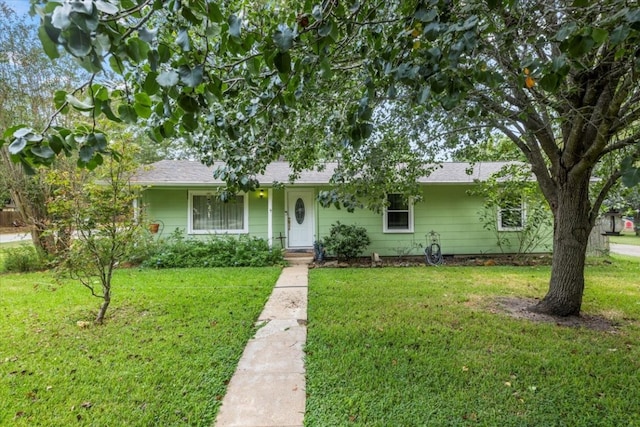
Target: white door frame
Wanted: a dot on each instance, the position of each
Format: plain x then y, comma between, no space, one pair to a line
307,196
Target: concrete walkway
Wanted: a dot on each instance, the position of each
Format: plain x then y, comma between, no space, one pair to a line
268,387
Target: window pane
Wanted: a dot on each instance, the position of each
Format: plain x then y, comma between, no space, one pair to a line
511,218
209,213
396,203
398,220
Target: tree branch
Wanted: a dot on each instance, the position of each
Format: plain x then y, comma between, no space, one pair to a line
611,102
128,12
538,165
595,208
627,142
65,104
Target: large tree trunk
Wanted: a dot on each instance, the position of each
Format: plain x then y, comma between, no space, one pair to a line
572,226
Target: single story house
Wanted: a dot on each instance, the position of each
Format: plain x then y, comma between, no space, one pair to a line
181,194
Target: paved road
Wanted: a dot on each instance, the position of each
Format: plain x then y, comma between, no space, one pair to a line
16,237
631,250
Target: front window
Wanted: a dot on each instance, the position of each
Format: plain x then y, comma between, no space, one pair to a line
511,216
398,216
209,214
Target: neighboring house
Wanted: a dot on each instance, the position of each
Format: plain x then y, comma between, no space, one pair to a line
182,194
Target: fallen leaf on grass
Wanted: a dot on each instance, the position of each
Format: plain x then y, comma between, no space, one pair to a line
87,405
472,416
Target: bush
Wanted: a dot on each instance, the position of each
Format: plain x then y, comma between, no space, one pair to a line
217,251
143,248
23,259
346,241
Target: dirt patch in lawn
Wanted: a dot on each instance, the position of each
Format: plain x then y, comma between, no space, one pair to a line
518,308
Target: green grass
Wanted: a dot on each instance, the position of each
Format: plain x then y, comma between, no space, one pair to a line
628,238
427,346
170,344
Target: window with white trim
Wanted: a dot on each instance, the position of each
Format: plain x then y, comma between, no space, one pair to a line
398,215
209,214
511,215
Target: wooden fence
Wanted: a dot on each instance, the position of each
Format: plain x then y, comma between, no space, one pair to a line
9,218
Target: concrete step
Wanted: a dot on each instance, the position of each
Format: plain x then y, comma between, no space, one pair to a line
299,256
299,260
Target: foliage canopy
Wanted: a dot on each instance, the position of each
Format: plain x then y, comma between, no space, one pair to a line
250,82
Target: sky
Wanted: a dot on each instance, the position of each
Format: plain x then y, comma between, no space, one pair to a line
21,7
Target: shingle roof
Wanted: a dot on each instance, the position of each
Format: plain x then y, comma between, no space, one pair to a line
194,173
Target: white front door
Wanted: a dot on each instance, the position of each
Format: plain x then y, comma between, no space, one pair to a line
300,218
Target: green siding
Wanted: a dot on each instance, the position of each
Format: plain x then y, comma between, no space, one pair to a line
446,209
170,207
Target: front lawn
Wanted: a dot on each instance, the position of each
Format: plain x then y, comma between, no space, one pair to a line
170,344
431,346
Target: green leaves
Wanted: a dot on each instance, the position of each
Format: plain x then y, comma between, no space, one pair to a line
23,138
127,113
630,168
183,40
282,62
168,78
235,25
619,34
17,145
577,42
60,17
43,151
283,38
79,42
263,81
49,46
106,7
77,104
191,77
325,29
142,105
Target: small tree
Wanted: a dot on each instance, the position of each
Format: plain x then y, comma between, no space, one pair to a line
513,188
103,215
28,80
